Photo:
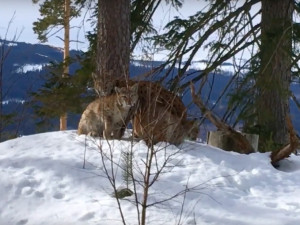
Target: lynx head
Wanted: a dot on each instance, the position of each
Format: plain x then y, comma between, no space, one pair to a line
127,96
192,128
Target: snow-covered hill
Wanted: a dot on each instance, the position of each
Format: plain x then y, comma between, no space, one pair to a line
42,181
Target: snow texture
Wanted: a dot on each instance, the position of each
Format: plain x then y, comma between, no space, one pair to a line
42,181
30,67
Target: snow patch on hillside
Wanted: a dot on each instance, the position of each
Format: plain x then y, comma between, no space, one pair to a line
13,100
226,68
139,63
8,43
29,67
44,56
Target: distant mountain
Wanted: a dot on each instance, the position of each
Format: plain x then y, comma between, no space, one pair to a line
23,72
26,63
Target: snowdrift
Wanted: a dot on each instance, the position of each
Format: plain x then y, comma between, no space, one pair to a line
42,181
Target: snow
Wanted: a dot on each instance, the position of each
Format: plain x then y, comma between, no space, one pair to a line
8,43
13,100
226,68
44,56
139,63
12,44
29,67
42,181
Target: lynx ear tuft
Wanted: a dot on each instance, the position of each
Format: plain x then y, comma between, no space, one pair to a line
117,90
135,87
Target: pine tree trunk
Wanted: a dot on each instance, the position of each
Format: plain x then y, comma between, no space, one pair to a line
113,46
1,89
274,78
63,118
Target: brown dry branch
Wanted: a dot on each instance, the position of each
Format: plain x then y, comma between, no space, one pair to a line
239,142
286,151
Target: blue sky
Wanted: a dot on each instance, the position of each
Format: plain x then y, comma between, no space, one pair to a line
22,14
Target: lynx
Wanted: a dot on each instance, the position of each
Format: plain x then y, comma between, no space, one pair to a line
150,93
160,115
155,124
108,116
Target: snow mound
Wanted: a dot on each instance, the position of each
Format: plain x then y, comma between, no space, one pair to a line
42,181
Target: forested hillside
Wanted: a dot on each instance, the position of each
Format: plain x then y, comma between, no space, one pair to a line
25,71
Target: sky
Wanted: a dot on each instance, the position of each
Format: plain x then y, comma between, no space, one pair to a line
22,14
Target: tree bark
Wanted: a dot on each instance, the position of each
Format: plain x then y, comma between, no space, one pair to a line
273,79
63,118
2,58
113,45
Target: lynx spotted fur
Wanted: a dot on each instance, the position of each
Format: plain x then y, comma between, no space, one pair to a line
155,124
161,115
108,116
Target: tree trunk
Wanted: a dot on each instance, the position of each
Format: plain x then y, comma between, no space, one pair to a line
113,46
1,88
274,77
63,118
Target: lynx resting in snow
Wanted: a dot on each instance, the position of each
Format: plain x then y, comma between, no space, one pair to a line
108,116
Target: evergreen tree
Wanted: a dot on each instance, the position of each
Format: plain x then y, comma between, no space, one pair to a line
59,95
6,119
56,13
226,29
127,167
